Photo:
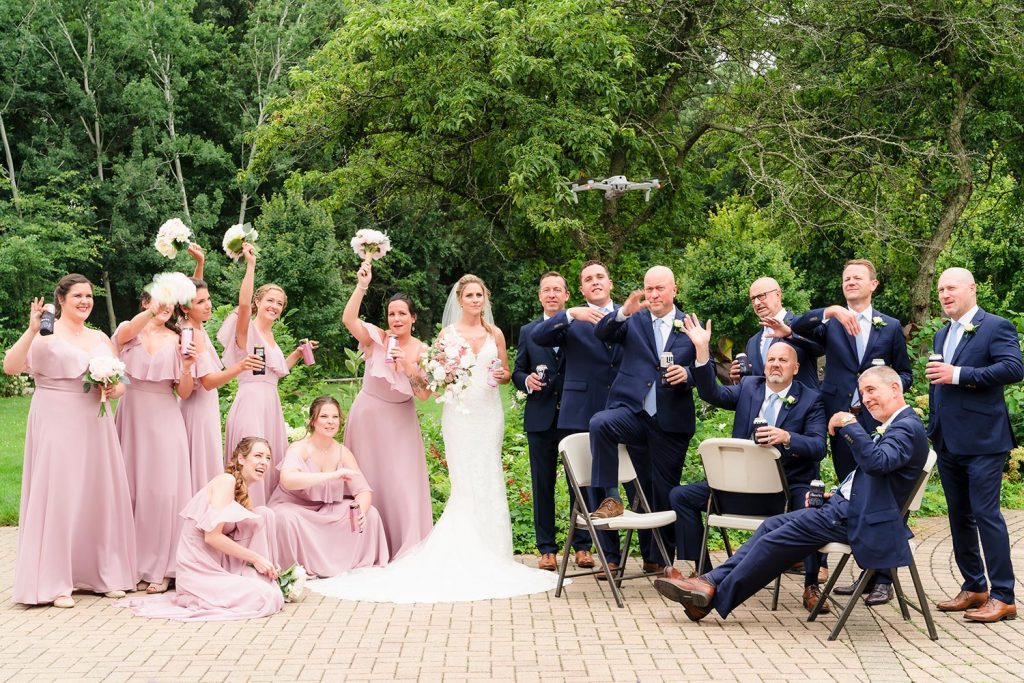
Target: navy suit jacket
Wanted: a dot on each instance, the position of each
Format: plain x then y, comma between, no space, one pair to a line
807,353
884,479
804,420
541,408
641,369
971,417
590,366
841,366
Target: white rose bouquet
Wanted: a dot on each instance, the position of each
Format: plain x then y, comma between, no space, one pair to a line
236,236
296,433
104,371
448,363
172,236
371,244
292,582
172,289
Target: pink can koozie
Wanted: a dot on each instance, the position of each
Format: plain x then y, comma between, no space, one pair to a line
392,343
187,335
495,365
306,348
353,516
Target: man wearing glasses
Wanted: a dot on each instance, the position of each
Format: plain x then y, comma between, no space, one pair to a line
766,300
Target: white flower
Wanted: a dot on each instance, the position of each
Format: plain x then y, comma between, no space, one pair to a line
172,288
292,583
171,236
439,373
878,322
678,324
371,244
520,395
236,236
466,361
296,434
106,369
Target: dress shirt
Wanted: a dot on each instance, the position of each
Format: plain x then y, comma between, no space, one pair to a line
964,320
847,485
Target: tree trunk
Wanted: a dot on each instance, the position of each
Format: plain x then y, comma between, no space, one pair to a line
110,301
10,165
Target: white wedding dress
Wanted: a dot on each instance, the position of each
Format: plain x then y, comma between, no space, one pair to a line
468,555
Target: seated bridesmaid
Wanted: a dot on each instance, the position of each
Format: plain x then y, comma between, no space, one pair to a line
226,557
322,506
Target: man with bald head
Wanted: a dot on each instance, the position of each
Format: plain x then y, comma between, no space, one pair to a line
796,427
766,300
970,430
648,404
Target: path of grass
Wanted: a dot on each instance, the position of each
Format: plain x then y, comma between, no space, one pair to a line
13,415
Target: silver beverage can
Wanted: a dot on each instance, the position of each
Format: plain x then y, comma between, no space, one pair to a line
542,373
187,335
667,359
935,358
875,362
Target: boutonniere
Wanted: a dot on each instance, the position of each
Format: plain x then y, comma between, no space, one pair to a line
879,431
970,328
878,322
789,401
678,324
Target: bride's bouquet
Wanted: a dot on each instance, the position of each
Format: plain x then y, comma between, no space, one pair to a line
448,364
236,236
104,371
172,236
371,244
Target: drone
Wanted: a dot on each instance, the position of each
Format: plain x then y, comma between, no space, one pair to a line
615,186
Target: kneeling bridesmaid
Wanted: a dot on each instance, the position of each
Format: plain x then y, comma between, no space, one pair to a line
226,557
322,506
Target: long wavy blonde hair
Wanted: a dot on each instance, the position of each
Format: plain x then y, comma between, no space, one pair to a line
470,279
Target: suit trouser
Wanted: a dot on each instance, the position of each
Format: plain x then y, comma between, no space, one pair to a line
543,477
666,453
691,500
775,546
972,484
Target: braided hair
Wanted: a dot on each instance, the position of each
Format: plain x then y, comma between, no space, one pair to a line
234,468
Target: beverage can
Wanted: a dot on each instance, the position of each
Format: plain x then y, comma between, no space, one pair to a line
353,516
744,365
392,343
816,495
935,358
48,320
495,365
187,336
758,422
306,348
262,353
542,373
875,362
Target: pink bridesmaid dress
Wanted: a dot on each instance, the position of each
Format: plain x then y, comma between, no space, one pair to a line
76,528
256,410
155,448
383,432
314,528
201,412
211,585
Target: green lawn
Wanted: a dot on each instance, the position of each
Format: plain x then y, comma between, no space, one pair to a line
13,415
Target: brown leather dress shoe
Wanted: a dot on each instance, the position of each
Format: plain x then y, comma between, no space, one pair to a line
695,594
609,507
991,612
613,567
812,596
879,595
547,562
672,573
964,600
584,560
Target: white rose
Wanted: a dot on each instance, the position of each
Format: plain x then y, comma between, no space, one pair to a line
439,374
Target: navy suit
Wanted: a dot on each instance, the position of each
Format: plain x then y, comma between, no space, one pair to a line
970,428
590,366
870,521
804,420
842,369
540,421
807,353
667,434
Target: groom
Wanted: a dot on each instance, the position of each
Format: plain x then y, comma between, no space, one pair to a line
648,405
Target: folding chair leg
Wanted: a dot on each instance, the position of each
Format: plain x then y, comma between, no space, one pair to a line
703,550
725,539
857,592
775,592
922,599
900,597
564,565
826,594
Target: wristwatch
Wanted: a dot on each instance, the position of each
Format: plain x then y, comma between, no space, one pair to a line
849,419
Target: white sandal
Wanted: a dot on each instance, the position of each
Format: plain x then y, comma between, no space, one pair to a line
64,602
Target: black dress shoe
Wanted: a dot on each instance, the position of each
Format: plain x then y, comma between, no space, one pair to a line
846,590
879,595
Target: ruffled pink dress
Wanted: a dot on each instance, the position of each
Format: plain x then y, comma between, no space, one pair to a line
211,585
256,410
155,448
314,528
76,529
201,412
383,432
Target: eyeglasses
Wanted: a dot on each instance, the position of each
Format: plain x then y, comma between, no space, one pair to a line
762,296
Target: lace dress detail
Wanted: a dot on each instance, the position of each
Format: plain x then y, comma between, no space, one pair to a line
468,555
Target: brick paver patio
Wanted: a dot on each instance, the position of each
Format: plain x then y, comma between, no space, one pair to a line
580,637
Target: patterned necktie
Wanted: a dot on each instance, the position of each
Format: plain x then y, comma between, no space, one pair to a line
951,341
650,400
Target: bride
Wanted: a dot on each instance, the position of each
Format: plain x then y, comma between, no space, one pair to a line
468,555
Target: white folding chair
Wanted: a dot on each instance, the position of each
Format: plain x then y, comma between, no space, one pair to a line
913,504
740,466
577,460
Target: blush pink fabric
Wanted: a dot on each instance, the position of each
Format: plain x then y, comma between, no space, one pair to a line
201,413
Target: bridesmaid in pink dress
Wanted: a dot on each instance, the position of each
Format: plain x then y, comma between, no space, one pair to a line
153,437
227,567
383,429
201,410
325,521
76,530
256,410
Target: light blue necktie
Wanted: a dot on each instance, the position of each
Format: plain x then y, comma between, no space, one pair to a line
650,400
862,340
771,410
766,341
951,341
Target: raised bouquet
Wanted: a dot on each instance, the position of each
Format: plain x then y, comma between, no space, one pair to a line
292,582
371,244
236,236
104,371
448,363
172,236
172,289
